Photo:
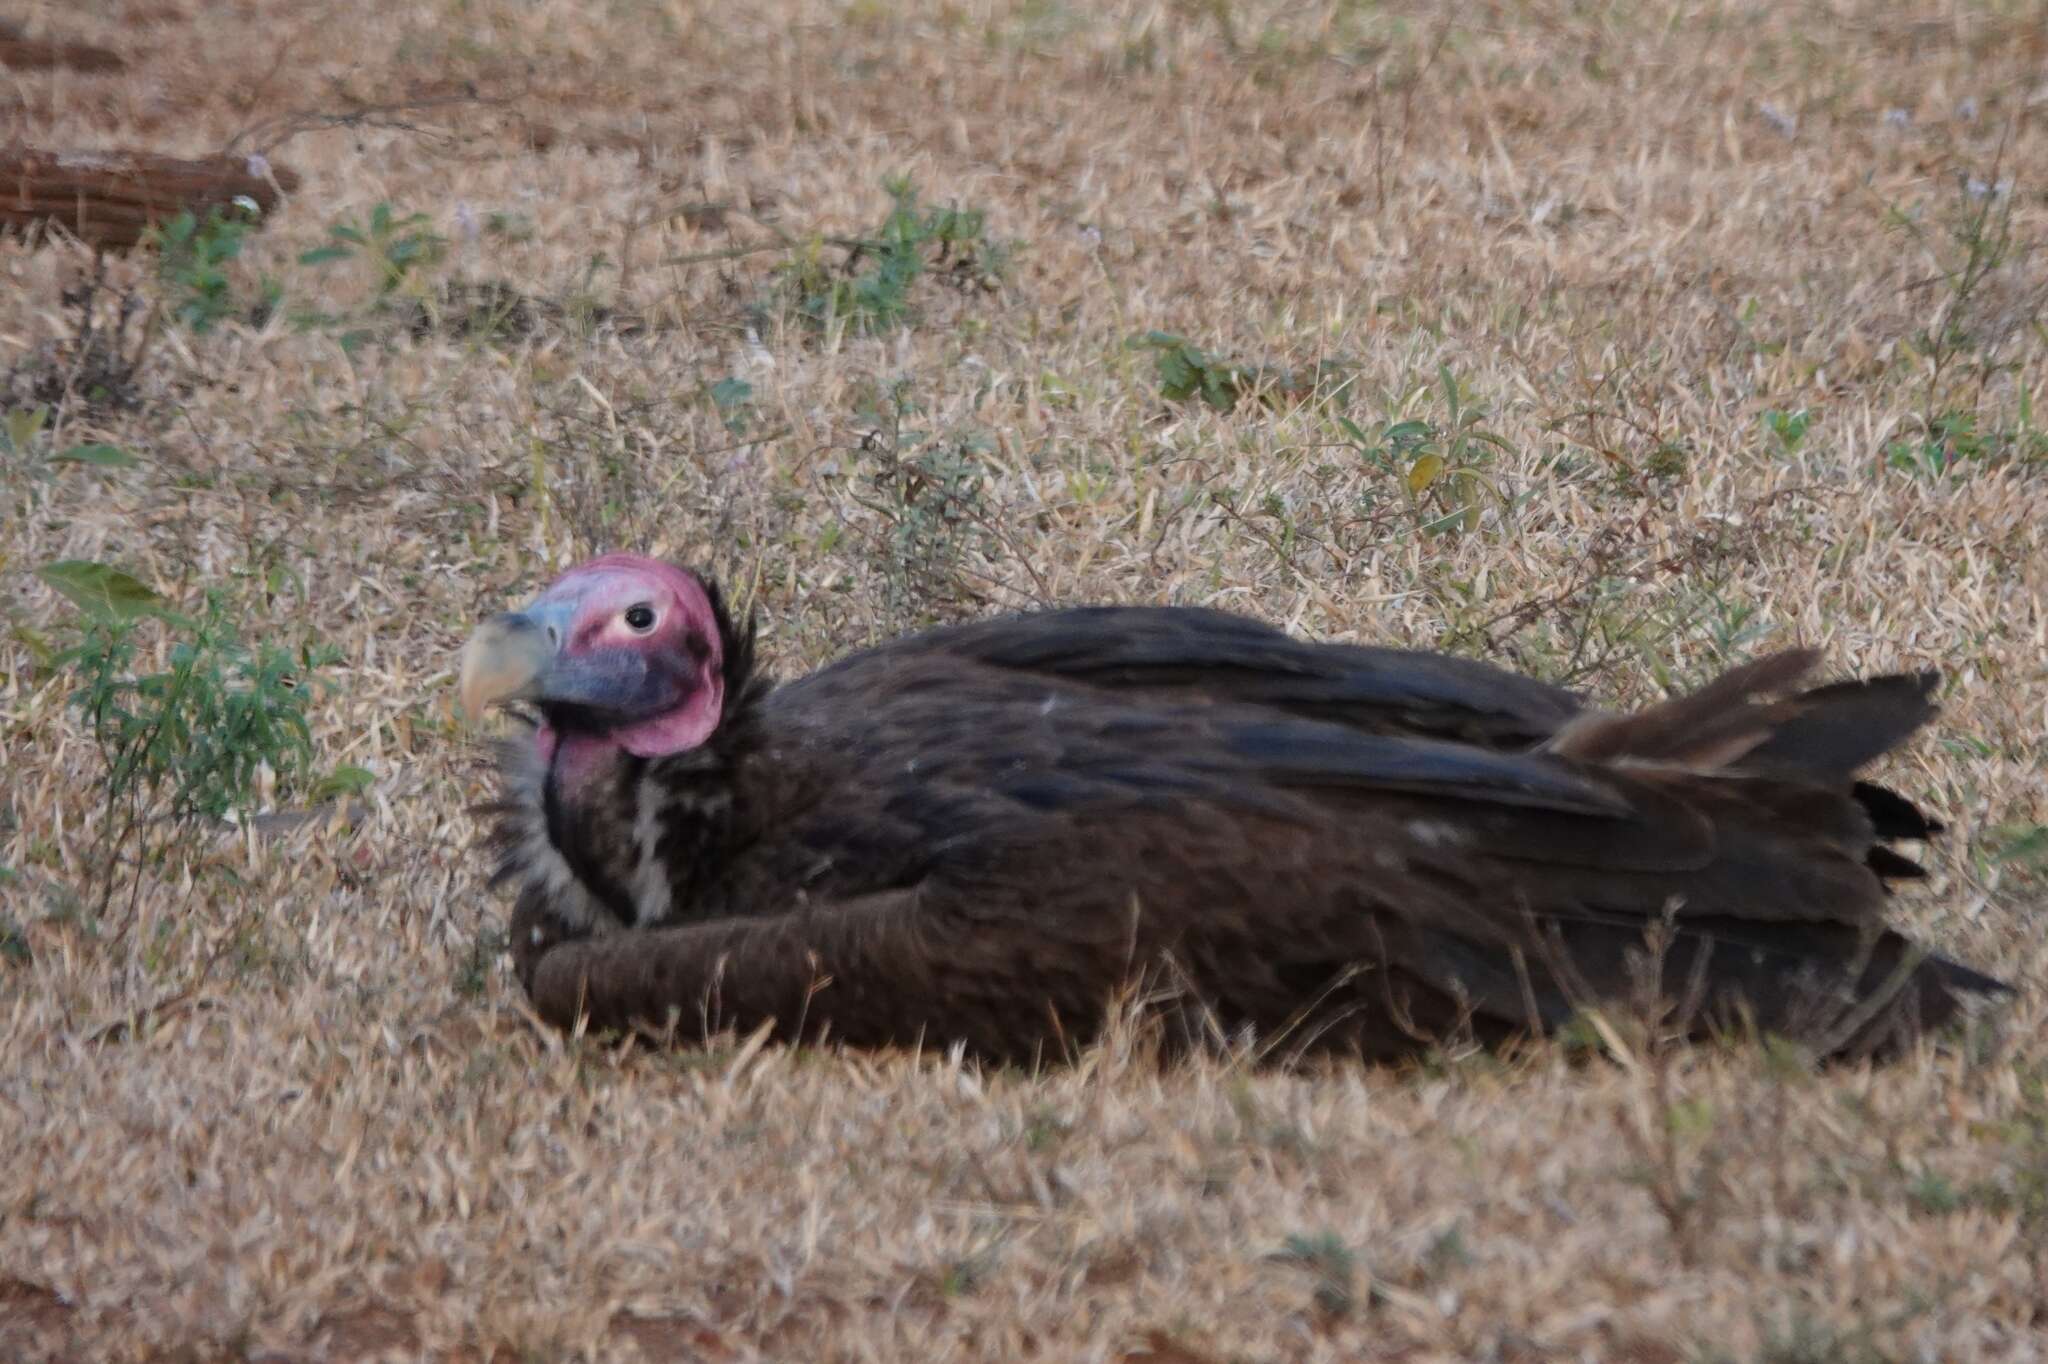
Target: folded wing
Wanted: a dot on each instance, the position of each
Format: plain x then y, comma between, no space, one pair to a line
1273,821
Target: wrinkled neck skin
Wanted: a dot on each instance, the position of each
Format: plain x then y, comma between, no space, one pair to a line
592,817
577,763
592,828
592,824
565,833
673,729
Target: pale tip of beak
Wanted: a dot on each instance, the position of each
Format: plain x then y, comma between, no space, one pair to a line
499,662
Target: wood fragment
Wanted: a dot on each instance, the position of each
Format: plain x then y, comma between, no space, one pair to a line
109,199
18,53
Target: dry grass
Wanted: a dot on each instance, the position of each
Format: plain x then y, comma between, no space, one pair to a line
321,1133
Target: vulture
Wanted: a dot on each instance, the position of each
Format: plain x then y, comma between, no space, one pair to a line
986,835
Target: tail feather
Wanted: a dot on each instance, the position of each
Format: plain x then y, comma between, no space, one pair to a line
1892,816
1710,728
1822,735
1891,866
1787,812
1834,730
1826,732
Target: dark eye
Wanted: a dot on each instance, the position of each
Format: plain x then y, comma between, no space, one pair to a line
640,617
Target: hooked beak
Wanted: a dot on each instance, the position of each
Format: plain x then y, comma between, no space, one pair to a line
507,658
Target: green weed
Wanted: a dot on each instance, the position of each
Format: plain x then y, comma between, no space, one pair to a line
871,290
396,249
27,457
1186,371
1963,349
1441,464
187,743
1333,1264
927,488
192,262
1789,428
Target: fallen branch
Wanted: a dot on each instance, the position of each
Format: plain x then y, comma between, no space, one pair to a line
39,54
109,199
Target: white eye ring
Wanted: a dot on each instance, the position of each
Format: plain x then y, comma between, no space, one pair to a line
640,618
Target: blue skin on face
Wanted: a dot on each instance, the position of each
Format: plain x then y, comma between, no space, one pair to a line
599,688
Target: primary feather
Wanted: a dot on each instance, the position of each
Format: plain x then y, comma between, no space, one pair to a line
978,834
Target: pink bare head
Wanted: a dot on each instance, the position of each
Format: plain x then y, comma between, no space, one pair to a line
622,649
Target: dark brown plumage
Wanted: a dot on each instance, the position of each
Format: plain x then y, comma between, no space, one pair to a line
978,834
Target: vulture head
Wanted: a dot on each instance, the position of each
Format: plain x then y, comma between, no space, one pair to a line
620,653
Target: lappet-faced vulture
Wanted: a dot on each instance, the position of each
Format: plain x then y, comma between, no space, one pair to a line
980,834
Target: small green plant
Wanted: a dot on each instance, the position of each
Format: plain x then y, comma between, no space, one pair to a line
928,490
1789,427
1186,371
1980,238
396,248
14,949
1949,442
962,1275
1442,466
1934,1194
193,259
1964,348
2020,846
189,742
734,399
873,292
1333,1264
21,429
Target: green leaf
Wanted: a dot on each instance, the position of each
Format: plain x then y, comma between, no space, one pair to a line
345,780
727,394
1177,377
1220,386
320,255
1424,472
2024,844
1690,1118
104,592
23,425
38,647
102,456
